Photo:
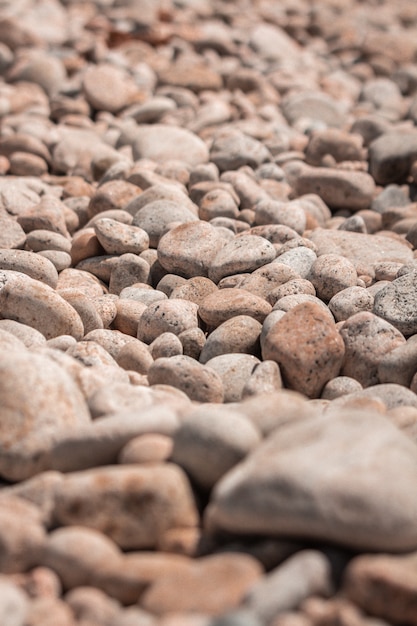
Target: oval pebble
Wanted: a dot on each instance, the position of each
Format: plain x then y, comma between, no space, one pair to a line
172,315
225,304
30,263
242,254
118,238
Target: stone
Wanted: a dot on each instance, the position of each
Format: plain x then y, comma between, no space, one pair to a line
190,74
195,289
396,303
367,340
29,336
289,288
34,303
118,238
22,535
265,378
382,585
114,195
40,400
48,214
108,88
307,347
232,149
165,345
218,203
304,574
235,370
350,301
340,386
391,156
149,448
158,217
313,106
340,189
267,493
161,143
210,441
330,274
162,191
210,585
398,365
189,249
135,356
200,383
90,604
173,315
300,260
128,270
341,145
12,234
363,250
225,304
239,334
14,604
289,302
289,214
267,278
243,254
132,505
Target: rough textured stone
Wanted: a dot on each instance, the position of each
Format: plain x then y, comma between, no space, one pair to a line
225,304
346,458
173,316
391,156
238,334
307,348
161,142
397,304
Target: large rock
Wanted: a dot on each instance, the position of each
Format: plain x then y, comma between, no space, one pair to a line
346,478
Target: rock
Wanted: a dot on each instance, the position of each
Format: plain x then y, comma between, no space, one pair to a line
300,260
12,234
108,88
190,74
242,254
289,214
363,250
161,143
350,301
239,334
165,345
398,365
232,149
340,386
305,574
34,303
22,535
118,238
391,156
48,214
382,586
128,270
339,447
114,195
391,395
210,586
307,347
340,189
200,383
210,441
396,303
158,217
39,401
265,378
195,289
189,249
90,604
313,106
133,505
268,278
149,448
29,336
367,340
172,316
235,370
341,145
270,41
330,274
225,304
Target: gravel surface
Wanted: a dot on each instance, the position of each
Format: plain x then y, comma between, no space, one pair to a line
208,313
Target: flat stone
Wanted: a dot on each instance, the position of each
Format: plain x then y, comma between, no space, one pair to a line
161,143
31,302
210,441
200,383
156,218
397,303
367,339
224,304
40,400
268,494
12,234
363,250
118,238
307,347
340,189
116,501
31,264
232,149
391,156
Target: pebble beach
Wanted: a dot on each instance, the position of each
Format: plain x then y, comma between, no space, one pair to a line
208,313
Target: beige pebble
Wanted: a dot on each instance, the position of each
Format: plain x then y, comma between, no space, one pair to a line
61,260
350,301
165,345
29,336
235,371
85,245
172,316
242,254
193,341
200,383
82,281
22,534
38,240
118,238
85,308
224,304
30,263
128,316
263,280
135,356
128,270
330,274
265,378
238,334
195,289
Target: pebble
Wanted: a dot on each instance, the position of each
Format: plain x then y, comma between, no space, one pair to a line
30,337
225,304
397,305
171,315
12,235
240,334
242,254
118,238
149,448
128,270
391,156
231,149
200,383
331,274
189,249
235,371
367,340
14,604
300,260
307,347
158,217
108,88
35,304
398,365
237,505
350,301
161,143
289,214
210,441
22,535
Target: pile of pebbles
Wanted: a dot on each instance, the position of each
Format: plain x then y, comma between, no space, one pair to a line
208,303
